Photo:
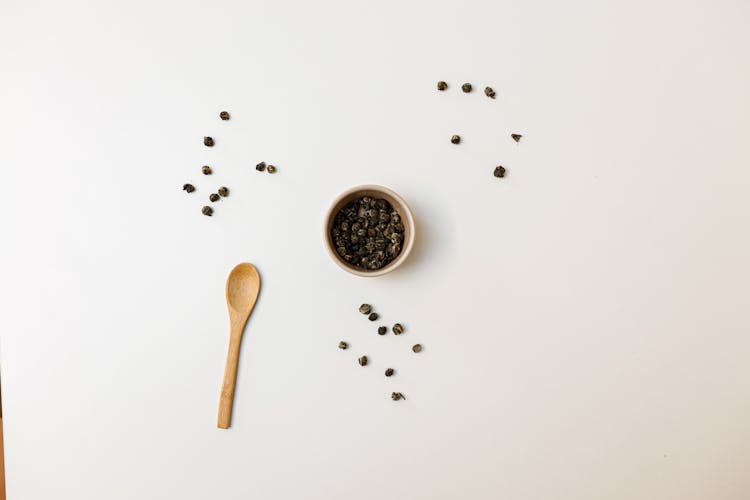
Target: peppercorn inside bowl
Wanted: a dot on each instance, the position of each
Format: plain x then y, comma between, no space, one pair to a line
369,230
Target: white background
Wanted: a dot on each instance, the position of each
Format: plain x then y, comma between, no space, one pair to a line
585,319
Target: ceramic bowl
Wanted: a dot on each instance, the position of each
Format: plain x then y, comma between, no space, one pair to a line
398,203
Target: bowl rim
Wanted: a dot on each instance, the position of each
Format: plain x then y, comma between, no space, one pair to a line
405,250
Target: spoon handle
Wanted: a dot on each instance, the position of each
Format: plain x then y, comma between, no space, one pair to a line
230,377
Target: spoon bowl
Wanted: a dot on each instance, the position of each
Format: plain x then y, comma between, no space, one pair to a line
242,288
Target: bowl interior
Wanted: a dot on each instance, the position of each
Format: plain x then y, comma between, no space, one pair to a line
375,192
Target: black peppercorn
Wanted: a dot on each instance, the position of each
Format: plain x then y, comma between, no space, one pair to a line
271,169
397,395
260,167
441,85
365,308
373,316
382,330
456,139
207,211
499,171
398,329
188,187
343,345
466,87
213,197
224,115
223,192
208,141
516,137
489,92
362,360
206,170
417,348
389,372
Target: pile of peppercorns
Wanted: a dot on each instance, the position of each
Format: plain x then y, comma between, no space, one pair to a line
368,233
397,329
456,139
223,191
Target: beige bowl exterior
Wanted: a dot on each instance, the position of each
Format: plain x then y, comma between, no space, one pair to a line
398,203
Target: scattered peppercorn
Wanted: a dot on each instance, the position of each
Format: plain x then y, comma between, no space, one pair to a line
382,330
417,348
271,169
365,308
499,171
397,395
466,87
213,197
489,92
343,345
362,360
260,167
516,137
224,115
206,170
441,85
207,211
398,329
456,139
208,141
188,187
388,372
223,192
373,316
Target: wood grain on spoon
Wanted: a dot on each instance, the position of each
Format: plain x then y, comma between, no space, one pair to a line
243,286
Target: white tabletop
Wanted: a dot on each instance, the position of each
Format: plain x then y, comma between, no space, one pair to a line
584,320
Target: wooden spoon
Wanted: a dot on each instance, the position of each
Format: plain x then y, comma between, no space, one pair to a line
243,286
